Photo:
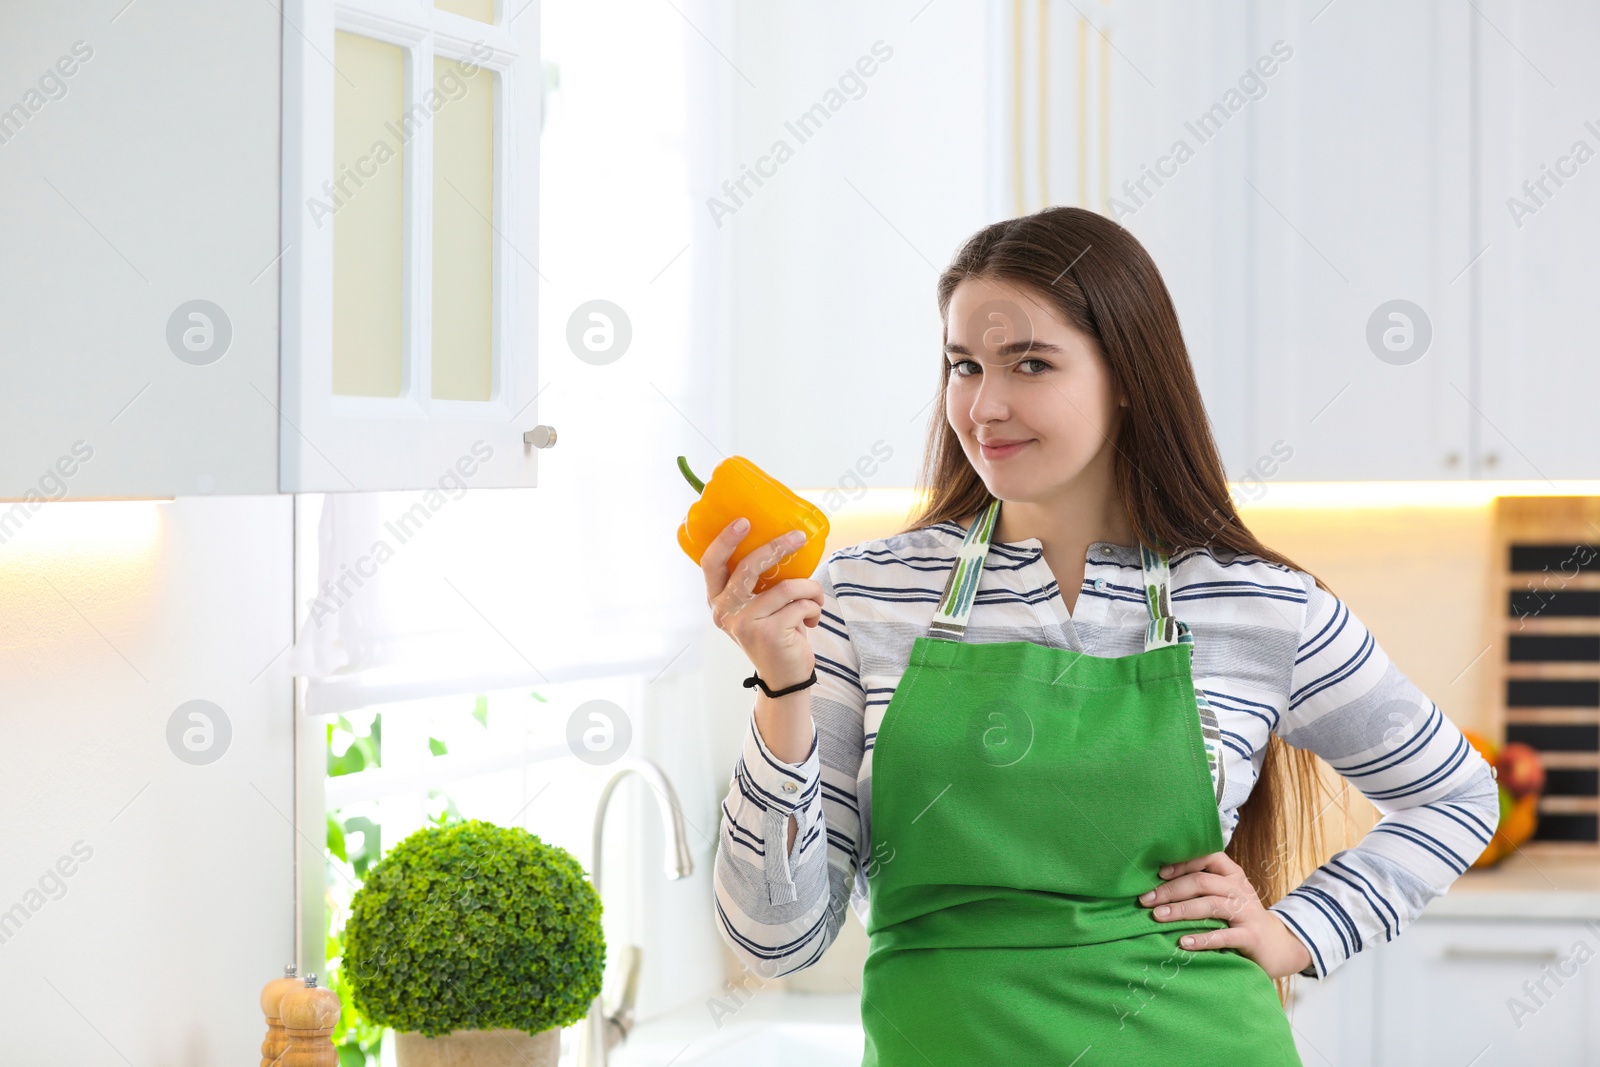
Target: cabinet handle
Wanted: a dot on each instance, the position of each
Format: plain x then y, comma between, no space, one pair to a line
1452,459
1505,955
541,436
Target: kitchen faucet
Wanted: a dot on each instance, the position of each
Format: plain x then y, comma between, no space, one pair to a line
601,1031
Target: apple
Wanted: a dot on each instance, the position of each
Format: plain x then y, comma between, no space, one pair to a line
1520,769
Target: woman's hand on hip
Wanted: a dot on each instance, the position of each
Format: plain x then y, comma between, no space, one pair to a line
1215,887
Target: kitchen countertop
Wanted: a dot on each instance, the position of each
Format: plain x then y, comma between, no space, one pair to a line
1525,886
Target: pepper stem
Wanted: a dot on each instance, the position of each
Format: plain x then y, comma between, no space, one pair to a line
683,465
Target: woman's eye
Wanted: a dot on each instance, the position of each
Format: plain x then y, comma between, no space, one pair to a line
1040,364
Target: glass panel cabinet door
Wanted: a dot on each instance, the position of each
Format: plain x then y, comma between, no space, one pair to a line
463,232
410,226
369,223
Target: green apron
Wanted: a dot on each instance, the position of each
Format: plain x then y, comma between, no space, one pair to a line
1023,797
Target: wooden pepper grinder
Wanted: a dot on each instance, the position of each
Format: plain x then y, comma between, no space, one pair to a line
309,1015
271,994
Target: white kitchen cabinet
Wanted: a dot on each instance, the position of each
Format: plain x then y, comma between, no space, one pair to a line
1360,176
1538,210
178,315
1295,170
1175,186
1502,970
410,341
139,175
1453,992
1332,1018
1391,159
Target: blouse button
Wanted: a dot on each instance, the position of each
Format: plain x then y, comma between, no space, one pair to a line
1099,583
790,787
1105,550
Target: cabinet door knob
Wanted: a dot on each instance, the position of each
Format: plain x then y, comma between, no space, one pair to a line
541,436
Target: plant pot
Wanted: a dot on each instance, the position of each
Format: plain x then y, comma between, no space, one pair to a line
479,1048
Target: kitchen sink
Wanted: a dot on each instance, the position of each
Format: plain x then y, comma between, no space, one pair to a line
774,1030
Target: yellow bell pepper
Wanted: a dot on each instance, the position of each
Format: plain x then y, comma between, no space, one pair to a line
738,488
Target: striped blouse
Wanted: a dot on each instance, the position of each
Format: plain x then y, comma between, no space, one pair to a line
1273,653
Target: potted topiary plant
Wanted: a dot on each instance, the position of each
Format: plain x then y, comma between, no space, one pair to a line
476,943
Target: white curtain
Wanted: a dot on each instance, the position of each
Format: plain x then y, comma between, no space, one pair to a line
424,593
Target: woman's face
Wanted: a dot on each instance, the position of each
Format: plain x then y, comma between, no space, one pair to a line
1024,378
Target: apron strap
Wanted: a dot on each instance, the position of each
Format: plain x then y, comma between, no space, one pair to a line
1164,630
961,587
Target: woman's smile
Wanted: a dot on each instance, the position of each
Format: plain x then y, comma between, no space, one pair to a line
1003,449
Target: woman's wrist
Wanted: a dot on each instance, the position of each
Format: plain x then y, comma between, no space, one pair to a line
785,724
755,681
1299,952
775,680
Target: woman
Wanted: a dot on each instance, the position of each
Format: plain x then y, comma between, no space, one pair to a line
1048,739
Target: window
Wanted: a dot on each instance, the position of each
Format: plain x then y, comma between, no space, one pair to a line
501,756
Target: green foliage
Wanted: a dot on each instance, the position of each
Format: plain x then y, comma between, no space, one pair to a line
474,927
363,752
440,810
361,861
357,1040
336,840
339,842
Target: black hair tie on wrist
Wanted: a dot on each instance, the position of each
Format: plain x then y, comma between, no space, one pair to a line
753,681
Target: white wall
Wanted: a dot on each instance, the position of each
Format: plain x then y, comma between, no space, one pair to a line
155,948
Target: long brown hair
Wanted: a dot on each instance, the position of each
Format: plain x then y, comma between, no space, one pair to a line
1167,469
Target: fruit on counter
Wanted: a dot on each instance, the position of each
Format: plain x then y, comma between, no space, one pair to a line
1519,781
1485,747
1496,851
738,488
1523,820
1521,770
1519,818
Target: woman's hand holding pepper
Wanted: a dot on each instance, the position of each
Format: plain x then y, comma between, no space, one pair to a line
1214,886
770,627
